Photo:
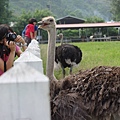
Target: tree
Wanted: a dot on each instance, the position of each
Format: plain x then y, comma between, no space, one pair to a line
115,9
76,13
5,13
94,19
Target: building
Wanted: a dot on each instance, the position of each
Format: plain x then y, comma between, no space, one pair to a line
69,20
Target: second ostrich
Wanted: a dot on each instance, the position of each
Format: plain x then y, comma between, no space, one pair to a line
67,55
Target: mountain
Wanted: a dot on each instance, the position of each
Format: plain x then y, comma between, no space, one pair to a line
61,8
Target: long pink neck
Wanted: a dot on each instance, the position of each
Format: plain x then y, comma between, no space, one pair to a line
51,54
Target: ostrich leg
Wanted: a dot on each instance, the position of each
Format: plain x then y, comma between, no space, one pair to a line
71,69
63,71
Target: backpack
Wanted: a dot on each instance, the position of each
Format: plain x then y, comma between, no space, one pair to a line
23,32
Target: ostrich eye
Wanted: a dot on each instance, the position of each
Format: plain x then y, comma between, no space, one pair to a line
51,20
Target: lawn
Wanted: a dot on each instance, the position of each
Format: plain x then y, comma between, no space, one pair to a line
94,54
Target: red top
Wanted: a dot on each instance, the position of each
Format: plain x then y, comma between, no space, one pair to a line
29,28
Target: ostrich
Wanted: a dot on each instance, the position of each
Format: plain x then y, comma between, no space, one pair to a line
67,55
49,24
90,95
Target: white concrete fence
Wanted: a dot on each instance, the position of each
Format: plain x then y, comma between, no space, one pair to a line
24,90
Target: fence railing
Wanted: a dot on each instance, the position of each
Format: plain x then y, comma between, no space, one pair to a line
24,93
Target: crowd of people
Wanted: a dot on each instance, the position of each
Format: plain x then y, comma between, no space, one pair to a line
10,41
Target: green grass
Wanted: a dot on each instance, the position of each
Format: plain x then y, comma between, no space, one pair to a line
94,54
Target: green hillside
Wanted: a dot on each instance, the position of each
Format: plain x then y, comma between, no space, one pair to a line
79,8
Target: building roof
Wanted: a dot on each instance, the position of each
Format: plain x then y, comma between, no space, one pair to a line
87,25
69,20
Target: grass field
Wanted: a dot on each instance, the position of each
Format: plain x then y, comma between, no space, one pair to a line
94,54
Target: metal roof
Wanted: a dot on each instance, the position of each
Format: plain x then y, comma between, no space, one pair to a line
69,20
87,25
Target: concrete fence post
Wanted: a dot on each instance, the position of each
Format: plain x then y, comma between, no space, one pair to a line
24,94
34,48
31,56
31,60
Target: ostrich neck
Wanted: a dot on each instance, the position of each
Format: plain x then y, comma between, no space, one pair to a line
61,40
51,53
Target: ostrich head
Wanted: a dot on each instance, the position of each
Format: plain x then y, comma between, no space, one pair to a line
49,24
61,37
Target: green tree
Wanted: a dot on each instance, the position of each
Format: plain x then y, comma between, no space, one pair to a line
76,13
115,9
94,19
5,13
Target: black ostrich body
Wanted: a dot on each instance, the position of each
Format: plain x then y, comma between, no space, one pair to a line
67,55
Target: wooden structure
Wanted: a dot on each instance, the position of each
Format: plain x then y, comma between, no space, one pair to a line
87,25
82,26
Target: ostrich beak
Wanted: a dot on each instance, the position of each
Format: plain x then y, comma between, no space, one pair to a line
40,22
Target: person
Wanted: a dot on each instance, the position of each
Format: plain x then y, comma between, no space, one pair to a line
19,41
30,31
24,30
8,47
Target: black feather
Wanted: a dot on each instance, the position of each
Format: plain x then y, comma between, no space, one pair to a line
65,52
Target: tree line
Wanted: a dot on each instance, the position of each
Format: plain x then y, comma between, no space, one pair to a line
5,13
